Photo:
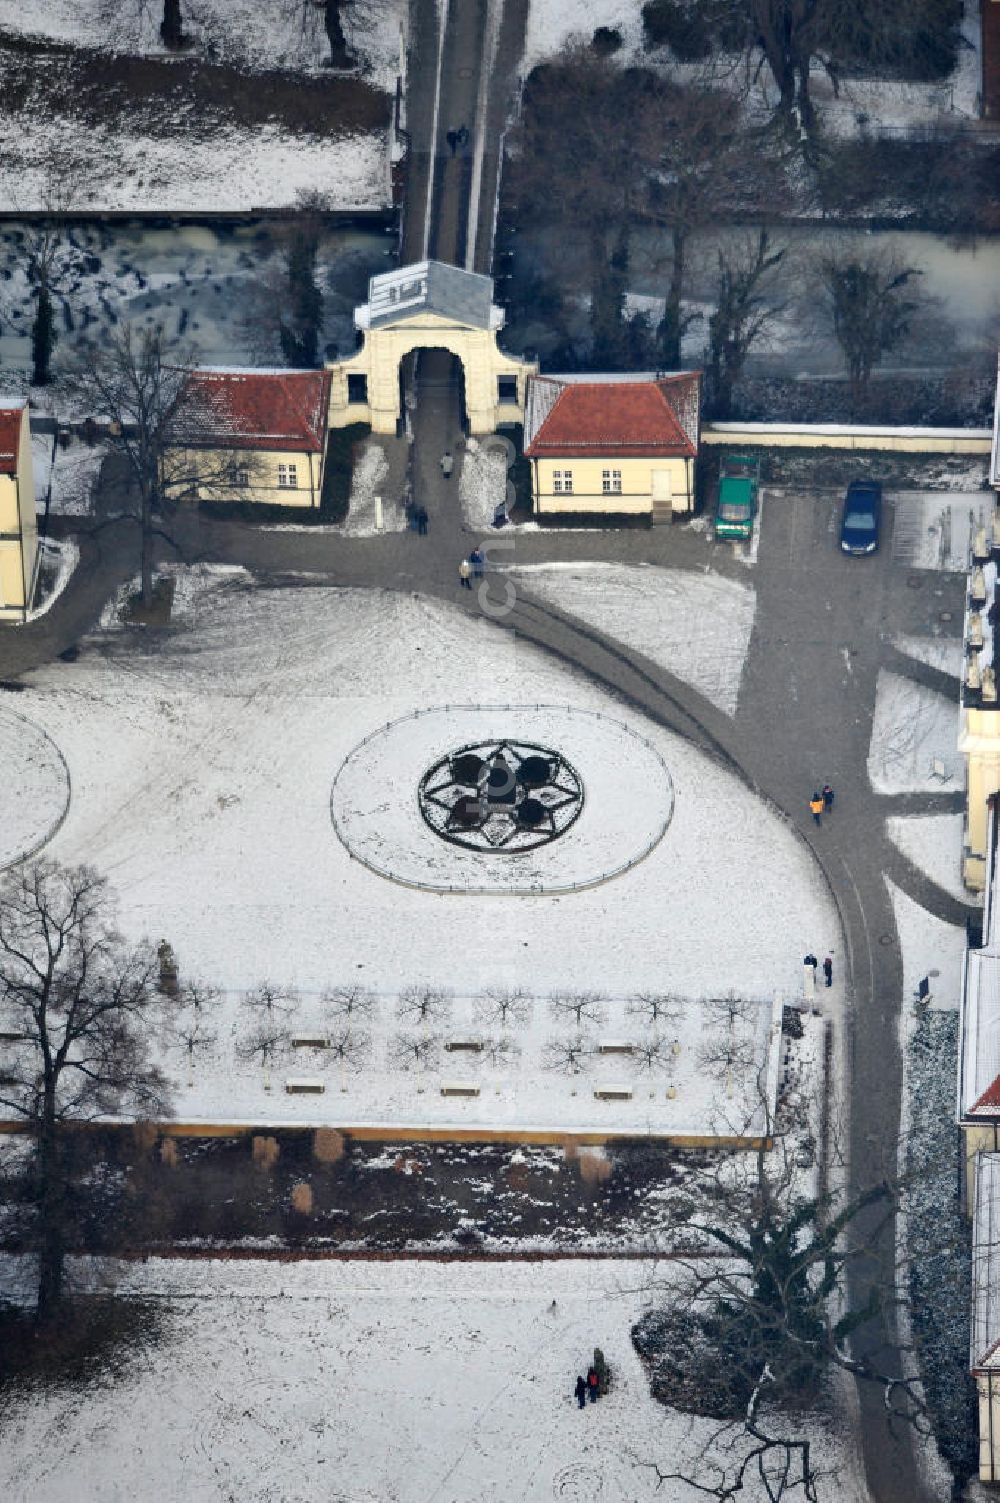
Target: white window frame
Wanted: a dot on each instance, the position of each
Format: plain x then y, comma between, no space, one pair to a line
239,476
611,482
562,482
288,477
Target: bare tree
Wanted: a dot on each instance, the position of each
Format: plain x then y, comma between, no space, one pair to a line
350,1002
745,310
265,1044
199,996
870,304
409,1051
80,1002
500,1051
728,1044
424,1004
351,1047
581,1007
504,1006
653,1053
659,1009
569,1055
760,1313
271,999
52,259
193,1033
284,315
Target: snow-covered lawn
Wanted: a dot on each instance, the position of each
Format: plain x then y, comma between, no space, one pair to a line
374,1382
912,727
249,34
229,170
933,842
482,481
695,625
203,760
929,948
34,788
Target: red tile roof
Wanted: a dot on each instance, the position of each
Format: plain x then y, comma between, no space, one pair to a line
621,417
989,1101
10,437
247,409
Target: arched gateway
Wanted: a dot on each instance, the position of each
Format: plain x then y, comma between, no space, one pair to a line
428,306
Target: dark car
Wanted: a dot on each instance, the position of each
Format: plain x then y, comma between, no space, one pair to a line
859,529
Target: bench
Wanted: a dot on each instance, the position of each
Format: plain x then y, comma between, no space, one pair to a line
471,1046
305,1085
613,1092
615,1046
310,1041
460,1088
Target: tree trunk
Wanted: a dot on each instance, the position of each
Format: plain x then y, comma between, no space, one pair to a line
43,338
146,545
340,56
172,26
671,328
50,1190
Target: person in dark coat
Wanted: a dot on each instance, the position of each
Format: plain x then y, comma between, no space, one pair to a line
421,520
810,959
581,1391
477,560
828,970
462,136
827,799
451,136
593,1385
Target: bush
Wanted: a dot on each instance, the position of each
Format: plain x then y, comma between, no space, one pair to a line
606,41
339,470
682,28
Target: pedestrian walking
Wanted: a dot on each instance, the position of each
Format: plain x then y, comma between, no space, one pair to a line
828,970
447,463
462,136
581,1391
593,1386
465,574
422,521
816,807
810,960
827,799
451,136
477,559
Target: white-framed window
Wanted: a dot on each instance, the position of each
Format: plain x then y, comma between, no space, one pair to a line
239,475
287,477
611,482
562,482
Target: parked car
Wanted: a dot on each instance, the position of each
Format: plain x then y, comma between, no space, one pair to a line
859,529
739,482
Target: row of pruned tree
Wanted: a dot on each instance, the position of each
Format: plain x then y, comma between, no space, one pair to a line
314,17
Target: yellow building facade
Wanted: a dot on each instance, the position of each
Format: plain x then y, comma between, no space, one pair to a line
273,477
428,306
18,523
615,445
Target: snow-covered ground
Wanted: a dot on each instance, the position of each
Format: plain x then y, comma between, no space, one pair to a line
387,1382
58,559
695,625
34,789
249,34
912,727
203,760
369,474
856,107
930,948
946,653
933,842
933,529
65,478
232,170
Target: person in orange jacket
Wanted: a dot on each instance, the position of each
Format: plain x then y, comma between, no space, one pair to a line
816,807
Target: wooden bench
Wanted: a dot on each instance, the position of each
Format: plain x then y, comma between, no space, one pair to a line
310,1041
460,1088
305,1085
470,1046
615,1046
613,1092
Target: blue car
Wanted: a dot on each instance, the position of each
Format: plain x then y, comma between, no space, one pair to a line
859,530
